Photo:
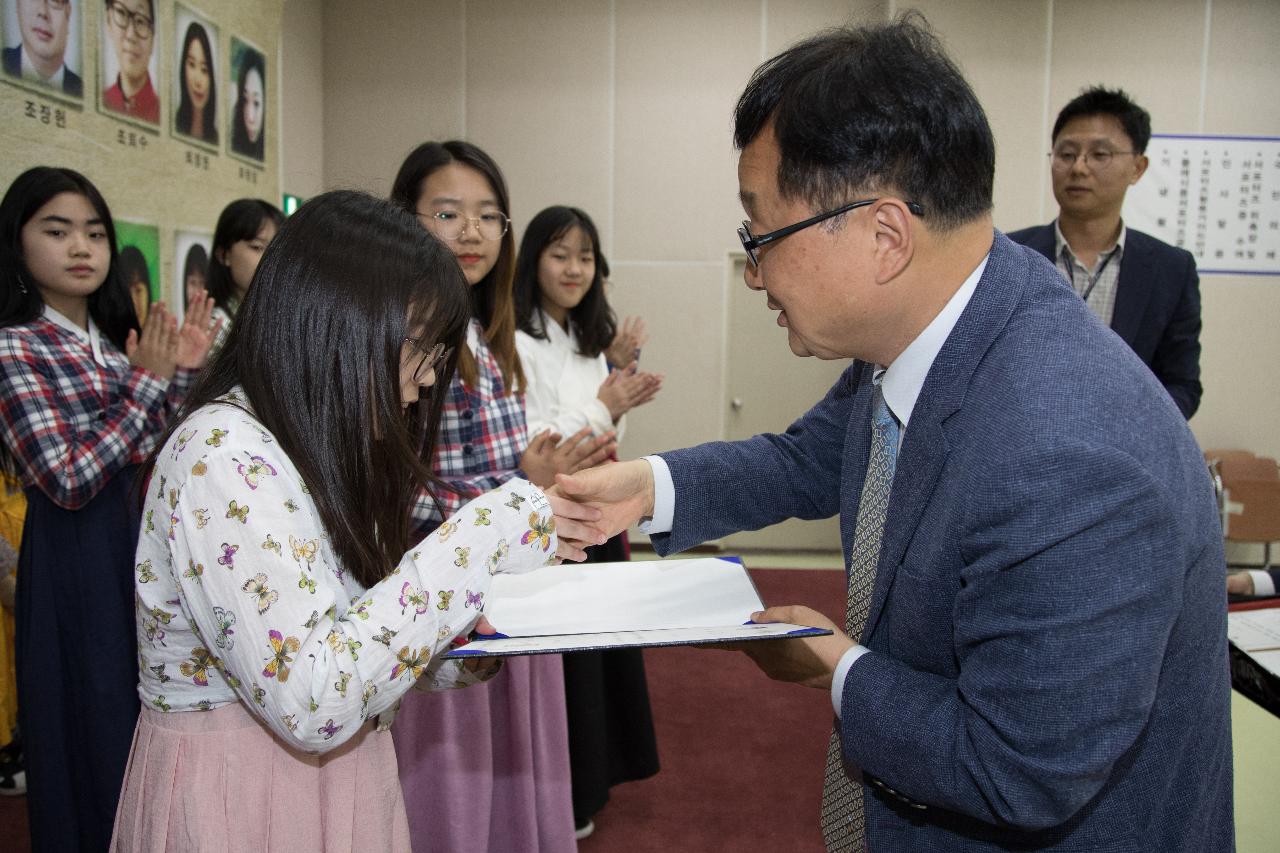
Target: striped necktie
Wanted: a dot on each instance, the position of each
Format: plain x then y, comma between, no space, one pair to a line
843,821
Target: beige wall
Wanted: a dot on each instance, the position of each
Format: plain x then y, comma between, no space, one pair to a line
624,108
302,98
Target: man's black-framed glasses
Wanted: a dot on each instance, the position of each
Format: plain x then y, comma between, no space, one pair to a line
750,243
431,359
121,17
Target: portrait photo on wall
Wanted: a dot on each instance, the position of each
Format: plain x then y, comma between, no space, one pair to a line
248,86
128,61
139,246
43,48
195,78
191,268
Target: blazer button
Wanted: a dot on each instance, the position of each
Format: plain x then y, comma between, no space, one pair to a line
466,450
467,415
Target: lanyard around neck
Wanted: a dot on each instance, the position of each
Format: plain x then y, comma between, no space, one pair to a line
1069,260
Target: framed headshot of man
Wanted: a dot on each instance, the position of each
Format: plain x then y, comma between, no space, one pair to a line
191,268
43,50
247,89
128,61
195,77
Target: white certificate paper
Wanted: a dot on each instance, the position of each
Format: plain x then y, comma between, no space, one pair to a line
574,607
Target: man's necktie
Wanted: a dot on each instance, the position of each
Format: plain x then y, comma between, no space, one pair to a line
843,821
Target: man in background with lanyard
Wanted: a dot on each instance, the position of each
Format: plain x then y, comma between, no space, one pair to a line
1147,291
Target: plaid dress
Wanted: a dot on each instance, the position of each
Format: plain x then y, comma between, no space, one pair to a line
75,411
481,438
79,419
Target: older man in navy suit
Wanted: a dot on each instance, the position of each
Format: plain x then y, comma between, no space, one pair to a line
41,55
1034,651
1147,291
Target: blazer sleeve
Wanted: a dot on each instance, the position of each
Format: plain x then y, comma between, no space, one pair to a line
727,487
1058,649
1176,360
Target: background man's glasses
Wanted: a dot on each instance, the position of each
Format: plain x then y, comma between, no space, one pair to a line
751,244
1064,159
122,17
450,225
431,359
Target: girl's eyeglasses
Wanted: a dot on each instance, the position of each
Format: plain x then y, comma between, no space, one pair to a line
431,359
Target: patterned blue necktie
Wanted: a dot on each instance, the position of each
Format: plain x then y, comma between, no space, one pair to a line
843,822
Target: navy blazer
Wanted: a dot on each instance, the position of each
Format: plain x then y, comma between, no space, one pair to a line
1048,666
1157,310
12,60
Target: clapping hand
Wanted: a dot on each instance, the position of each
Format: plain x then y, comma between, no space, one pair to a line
627,388
198,333
547,455
627,343
155,349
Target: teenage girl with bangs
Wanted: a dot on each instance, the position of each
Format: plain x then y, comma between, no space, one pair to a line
565,329
503,746
245,228
84,394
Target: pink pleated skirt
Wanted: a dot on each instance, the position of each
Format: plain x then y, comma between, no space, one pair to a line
221,781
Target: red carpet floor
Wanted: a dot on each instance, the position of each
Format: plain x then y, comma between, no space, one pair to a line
742,757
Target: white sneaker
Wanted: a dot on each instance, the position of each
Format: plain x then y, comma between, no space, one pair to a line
583,831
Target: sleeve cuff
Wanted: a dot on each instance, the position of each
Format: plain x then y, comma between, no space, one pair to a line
842,672
664,498
1262,582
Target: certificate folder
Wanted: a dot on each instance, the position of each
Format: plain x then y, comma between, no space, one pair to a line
576,607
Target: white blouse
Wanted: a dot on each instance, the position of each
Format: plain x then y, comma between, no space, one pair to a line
561,383
241,598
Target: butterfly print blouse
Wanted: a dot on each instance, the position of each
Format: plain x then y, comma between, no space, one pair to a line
241,598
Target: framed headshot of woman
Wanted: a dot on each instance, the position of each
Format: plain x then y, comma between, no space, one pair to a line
191,268
248,125
128,61
195,90
43,49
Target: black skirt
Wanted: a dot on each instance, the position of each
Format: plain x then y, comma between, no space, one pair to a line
611,737
77,659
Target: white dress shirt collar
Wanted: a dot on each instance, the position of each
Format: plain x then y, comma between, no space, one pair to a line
903,379
29,72
88,336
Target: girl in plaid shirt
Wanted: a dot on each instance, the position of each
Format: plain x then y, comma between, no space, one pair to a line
84,393
514,726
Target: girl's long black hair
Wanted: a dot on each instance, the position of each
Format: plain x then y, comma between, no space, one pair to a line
592,320
317,348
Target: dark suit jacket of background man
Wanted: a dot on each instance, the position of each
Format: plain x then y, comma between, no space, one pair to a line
71,83
1157,310
1048,664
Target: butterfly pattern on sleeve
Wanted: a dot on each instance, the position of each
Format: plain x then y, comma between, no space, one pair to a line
234,573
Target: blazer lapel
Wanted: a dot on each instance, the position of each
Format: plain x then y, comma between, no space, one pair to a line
924,450
1132,290
1044,242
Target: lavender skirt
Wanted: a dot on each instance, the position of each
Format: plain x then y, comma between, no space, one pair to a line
487,768
221,781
